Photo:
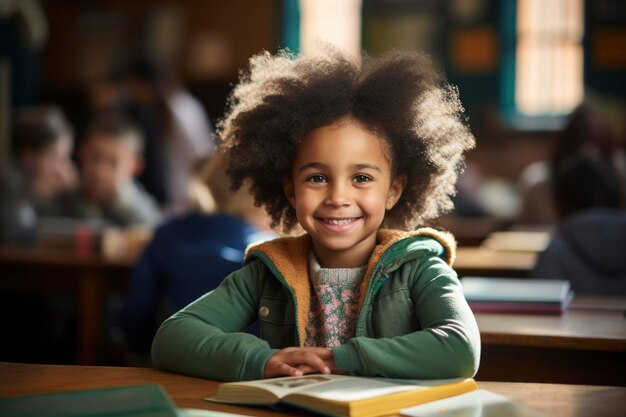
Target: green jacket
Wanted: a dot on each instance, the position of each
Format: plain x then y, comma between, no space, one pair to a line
413,320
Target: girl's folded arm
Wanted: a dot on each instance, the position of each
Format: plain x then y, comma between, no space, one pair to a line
447,346
206,338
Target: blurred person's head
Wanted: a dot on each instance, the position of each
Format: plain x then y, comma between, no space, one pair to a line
42,142
585,131
147,81
109,156
222,199
105,95
585,181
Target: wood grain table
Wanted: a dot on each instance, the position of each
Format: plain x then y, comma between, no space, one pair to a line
479,261
557,400
89,277
585,345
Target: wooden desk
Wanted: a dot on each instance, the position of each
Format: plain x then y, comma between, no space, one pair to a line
586,344
187,392
477,261
90,277
470,231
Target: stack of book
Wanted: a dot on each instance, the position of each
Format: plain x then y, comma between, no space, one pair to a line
517,294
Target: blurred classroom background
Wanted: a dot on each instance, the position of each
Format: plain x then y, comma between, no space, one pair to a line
543,84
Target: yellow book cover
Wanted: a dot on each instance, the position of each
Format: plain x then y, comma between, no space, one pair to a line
339,395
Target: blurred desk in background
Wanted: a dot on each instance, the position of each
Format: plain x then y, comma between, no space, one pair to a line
479,261
517,241
584,345
587,344
470,231
89,277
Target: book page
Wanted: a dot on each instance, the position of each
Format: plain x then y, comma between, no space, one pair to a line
340,388
288,385
195,412
479,403
348,389
421,382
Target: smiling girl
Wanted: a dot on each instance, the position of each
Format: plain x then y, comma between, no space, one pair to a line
359,156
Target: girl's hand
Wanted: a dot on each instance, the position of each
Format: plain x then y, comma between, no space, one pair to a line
297,361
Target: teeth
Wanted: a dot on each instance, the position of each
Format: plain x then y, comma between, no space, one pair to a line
339,222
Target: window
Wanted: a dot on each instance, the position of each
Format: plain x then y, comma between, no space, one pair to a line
548,57
336,22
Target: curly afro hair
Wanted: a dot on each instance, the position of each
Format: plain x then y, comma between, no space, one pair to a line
399,96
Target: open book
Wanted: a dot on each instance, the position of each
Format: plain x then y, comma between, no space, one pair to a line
338,395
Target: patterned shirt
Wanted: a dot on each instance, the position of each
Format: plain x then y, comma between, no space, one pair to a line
334,304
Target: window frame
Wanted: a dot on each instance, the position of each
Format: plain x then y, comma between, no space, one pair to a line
508,107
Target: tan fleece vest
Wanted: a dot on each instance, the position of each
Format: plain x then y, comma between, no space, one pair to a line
289,255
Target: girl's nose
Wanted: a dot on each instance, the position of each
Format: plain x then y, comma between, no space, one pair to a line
338,195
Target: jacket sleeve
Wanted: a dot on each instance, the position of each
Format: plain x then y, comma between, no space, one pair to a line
447,346
206,338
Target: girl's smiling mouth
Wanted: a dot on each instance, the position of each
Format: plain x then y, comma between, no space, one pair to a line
337,224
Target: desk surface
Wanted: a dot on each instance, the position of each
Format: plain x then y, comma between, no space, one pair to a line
10,255
20,379
547,348
584,345
471,260
590,323
89,277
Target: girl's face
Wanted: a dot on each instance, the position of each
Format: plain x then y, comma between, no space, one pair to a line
340,188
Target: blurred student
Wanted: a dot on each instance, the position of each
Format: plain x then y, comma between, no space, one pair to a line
41,170
37,328
588,246
586,131
190,255
178,131
190,140
146,106
110,159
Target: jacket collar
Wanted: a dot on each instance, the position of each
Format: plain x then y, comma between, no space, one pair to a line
288,257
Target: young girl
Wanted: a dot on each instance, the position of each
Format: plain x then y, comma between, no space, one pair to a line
347,152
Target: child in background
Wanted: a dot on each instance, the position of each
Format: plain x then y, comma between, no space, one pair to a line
110,159
42,143
587,246
189,256
348,152
39,328
41,170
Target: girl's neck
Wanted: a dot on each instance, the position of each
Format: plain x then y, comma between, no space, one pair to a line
354,257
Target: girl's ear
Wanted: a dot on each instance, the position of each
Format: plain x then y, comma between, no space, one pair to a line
395,191
289,191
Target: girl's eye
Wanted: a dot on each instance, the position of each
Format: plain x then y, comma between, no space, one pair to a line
362,178
316,178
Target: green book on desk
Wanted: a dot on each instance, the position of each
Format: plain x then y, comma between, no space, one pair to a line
518,295
132,400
